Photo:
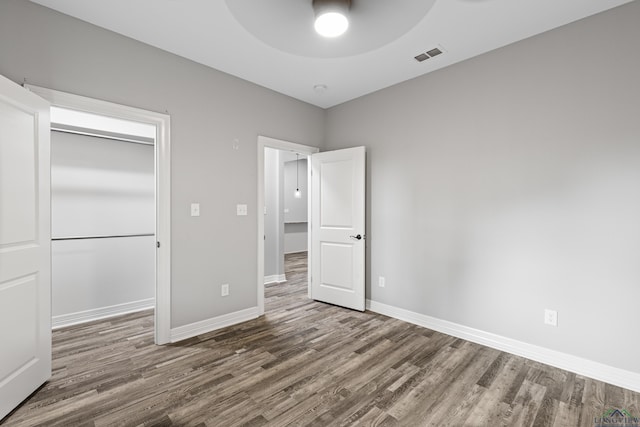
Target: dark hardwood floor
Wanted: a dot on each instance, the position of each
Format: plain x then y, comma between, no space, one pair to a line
305,364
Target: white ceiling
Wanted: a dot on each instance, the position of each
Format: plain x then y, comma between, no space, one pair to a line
262,40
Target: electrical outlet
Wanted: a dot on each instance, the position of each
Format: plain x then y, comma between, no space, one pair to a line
381,281
224,290
551,317
241,210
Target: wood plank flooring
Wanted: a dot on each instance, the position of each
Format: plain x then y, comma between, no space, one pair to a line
304,364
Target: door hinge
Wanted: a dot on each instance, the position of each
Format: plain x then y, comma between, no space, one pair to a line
157,244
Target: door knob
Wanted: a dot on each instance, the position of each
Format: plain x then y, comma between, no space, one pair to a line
357,237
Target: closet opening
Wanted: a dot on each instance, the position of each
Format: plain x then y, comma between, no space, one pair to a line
102,217
106,205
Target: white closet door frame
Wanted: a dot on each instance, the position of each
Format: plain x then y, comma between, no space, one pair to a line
163,188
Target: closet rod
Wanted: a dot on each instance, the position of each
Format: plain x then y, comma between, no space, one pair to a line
101,237
102,134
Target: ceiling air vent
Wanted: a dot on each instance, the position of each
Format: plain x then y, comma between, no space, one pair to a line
428,54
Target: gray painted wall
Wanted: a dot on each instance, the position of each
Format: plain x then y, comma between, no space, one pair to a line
296,237
209,110
295,210
510,183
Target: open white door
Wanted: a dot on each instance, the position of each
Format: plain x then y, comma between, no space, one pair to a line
338,227
25,241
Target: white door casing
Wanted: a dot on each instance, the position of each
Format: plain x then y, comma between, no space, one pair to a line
25,253
338,227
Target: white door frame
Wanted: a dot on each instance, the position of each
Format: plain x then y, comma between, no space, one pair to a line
278,144
163,188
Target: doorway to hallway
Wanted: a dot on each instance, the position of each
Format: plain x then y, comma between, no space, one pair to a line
277,158
285,210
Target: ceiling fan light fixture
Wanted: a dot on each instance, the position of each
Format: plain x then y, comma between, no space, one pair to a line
331,17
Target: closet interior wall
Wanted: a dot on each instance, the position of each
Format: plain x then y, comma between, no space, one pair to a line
103,227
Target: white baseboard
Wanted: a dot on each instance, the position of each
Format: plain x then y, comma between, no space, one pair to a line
276,278
599,371
70,319
191,330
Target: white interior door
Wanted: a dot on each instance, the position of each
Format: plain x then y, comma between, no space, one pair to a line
25,254
338,227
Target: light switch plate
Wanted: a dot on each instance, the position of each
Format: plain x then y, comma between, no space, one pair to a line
195,209
241,210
